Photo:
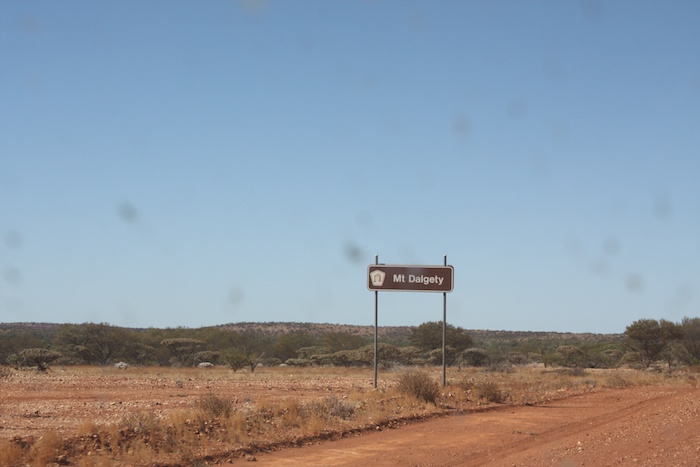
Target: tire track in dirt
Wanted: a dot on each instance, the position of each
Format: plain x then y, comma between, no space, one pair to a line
632,426
609,412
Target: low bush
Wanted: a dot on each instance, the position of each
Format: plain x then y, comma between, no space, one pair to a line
332,407
488,391
419,385
213,406
11,452
617,381
575,371
47,448
5,372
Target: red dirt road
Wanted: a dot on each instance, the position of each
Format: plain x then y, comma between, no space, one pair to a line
648,426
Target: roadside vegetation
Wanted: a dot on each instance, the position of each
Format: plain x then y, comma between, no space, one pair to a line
645,343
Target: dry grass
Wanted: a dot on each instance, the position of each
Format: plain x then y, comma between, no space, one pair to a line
213,406
45,450
11,453
216,424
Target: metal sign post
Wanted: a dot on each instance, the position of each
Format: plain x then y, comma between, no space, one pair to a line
376,322
414,279
444,332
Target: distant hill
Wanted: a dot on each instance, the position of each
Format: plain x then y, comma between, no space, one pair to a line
391,333
318,329
402,332
45,327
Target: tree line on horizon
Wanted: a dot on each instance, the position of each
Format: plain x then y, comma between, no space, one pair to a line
645,342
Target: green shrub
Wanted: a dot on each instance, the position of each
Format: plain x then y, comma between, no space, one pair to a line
419,385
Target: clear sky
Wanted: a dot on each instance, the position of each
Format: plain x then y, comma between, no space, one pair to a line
171,163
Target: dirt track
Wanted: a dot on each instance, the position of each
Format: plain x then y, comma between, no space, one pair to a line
632,426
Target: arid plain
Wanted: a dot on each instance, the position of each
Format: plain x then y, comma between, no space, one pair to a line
334,416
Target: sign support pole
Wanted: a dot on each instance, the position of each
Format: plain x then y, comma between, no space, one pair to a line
376,322
420,279
444,332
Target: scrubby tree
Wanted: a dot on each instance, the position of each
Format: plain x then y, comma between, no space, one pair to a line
183,348
573,356
675,354
611,357
254,360
312,351
235,358
435,356
336,341
287,345
411,356
387,354
475,357
138,353
516,358
39,358
691,337
344,358
92,343
428,336
12,342
648,337
206,356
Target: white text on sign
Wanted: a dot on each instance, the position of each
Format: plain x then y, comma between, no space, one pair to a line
419,279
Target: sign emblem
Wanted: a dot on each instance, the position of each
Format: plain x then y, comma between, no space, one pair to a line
377,277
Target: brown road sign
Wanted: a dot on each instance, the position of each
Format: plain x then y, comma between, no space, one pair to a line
410,278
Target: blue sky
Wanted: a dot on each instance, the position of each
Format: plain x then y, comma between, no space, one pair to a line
188,164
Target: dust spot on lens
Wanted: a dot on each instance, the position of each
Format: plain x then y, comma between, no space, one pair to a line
127,212
685,292
554,68
364,219
559,132
417,21
611,246
236,296
461,126
592,9
31,25
253,6
407,254
662,208
634,283
540,165
600,267
575,248
13,240
12,275
516,110
306,42
353,252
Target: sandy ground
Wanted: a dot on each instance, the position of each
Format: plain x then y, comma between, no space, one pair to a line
63,399
645,425
631,426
